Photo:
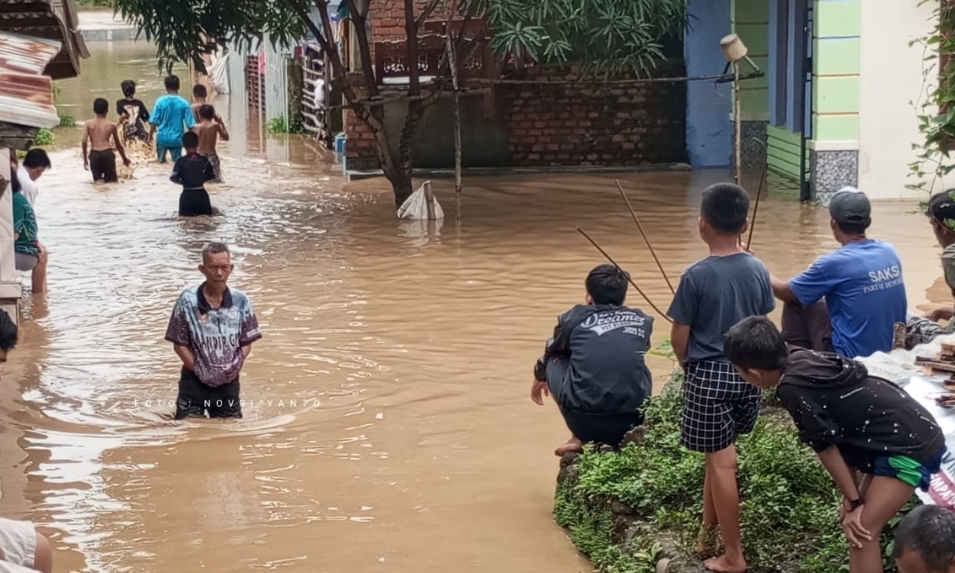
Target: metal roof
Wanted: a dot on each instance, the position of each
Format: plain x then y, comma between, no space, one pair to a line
52,20
26,95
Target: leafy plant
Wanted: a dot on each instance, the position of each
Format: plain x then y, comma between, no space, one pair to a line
43,137
279,125
935,109
66,120
788,502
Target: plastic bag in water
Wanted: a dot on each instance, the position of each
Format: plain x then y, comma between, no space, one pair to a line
416,206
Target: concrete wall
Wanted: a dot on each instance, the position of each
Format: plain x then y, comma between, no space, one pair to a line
709,131
891,77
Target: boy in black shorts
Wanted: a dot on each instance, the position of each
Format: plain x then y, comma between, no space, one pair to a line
595,363
192,171
718,405
854,422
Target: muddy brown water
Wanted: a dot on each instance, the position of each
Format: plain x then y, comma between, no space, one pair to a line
388,425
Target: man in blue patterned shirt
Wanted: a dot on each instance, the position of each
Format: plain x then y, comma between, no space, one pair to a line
212,329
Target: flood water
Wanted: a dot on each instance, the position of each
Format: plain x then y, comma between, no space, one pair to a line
387,421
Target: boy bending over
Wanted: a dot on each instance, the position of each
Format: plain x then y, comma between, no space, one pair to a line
855,423
594,365
714,294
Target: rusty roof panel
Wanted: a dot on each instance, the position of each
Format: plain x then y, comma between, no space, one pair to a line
26,96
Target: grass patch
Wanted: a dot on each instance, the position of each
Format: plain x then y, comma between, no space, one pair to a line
279,125
622,505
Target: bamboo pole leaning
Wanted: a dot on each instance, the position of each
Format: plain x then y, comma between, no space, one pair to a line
645,238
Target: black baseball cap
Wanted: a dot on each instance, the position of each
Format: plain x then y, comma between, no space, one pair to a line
941,207
849,205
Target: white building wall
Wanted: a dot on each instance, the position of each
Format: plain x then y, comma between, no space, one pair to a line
891,79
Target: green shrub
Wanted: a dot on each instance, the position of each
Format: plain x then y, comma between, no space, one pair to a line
789,504
66,120
279,125
43,137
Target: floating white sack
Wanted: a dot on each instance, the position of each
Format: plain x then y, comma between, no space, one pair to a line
219,73
416,206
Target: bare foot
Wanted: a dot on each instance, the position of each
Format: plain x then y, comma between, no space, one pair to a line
708,542
723,564
572,445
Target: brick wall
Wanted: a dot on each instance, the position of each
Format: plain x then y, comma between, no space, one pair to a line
574,124
253,83
571,124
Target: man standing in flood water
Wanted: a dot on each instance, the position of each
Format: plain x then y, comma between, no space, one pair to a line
212,329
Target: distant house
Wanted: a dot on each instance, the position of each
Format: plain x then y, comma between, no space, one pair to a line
39,43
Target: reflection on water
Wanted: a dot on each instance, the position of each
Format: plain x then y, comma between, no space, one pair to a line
387,411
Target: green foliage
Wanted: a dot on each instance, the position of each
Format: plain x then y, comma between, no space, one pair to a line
43,137
95,3
789,504
66,120
278,125
604,36
935,110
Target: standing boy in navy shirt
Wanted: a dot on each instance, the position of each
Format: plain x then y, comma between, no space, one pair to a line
718,405
192,171
849,300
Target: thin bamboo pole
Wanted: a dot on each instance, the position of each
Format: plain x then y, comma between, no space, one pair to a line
739,123
645,238
456,106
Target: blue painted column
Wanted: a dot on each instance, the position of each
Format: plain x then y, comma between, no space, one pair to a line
709,132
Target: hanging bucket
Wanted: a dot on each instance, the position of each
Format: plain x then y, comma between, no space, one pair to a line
733,48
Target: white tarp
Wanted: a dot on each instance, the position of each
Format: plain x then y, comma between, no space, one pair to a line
899,366
416,206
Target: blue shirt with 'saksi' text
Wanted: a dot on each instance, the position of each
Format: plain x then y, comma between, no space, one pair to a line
865,294
214,335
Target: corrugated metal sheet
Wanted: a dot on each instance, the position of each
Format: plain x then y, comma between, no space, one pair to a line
49,19
26,96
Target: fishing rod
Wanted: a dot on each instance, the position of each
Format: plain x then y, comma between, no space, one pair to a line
645,238
759,192
630,280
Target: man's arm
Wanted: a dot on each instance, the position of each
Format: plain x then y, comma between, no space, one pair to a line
782,290
223,132
188,359
175,176
680,341
246,350
840,471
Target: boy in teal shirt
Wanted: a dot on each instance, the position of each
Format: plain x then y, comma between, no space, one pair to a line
172,117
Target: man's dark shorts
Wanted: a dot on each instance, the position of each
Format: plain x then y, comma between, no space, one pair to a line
103,165
195,398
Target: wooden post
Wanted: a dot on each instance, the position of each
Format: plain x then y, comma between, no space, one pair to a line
429,200
739,123
456,105
10,283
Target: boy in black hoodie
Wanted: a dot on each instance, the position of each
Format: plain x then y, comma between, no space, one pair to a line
594,365
854,422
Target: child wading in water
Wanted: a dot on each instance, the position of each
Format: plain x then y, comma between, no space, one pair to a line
192,171
101,161
210,128
854,422
133,114
718,405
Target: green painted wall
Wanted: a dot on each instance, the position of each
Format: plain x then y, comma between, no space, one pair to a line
835,89
750,20
782,151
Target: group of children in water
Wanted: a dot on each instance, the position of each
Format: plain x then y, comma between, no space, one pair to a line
877,442
174,125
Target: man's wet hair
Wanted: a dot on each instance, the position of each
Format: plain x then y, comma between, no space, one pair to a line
929,530
8,332
725,207
128,87
190,140
214,248
607,284
37,158
755,343
206,111
100,106
199,90
172,83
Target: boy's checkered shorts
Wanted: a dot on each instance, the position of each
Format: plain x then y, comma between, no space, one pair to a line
718,406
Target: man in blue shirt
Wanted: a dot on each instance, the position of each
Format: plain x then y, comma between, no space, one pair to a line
172,115
849,300
212,329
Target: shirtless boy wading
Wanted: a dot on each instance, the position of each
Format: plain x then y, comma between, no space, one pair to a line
101,162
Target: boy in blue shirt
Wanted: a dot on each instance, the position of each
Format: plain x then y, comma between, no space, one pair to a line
718,405
172,117
860,283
